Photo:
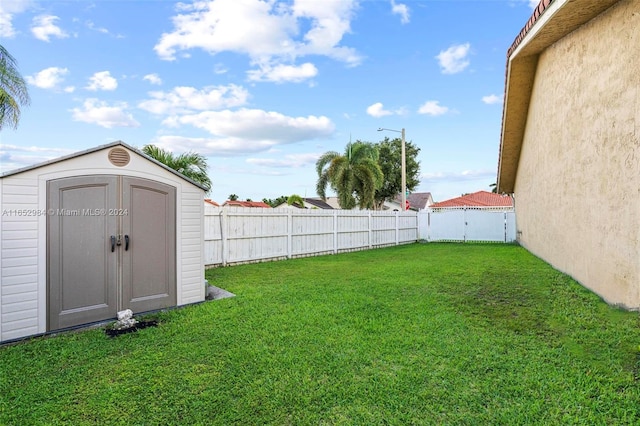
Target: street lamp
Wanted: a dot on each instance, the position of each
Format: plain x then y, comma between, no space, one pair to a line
403,201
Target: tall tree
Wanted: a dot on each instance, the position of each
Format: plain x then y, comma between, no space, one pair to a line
13,90
192,165
390,161
354,176
275,202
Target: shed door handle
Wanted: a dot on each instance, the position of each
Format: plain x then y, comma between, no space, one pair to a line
126,242
113,243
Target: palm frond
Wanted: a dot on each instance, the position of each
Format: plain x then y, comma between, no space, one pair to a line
190,164
13,90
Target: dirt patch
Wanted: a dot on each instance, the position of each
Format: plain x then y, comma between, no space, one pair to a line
111,332
503,303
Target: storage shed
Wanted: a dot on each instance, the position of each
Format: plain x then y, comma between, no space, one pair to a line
89,234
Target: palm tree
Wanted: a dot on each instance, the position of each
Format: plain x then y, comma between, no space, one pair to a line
295,200
13,90
192,165
354,176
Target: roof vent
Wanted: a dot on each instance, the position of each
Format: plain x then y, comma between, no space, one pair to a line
119,157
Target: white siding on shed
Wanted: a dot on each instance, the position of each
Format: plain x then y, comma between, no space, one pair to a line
19,273
23,234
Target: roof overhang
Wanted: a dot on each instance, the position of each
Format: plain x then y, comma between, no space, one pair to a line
551,21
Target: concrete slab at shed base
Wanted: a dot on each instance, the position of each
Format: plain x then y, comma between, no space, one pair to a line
215,293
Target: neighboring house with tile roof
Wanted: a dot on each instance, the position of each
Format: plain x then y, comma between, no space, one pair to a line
210,202
309,203
571,129
478,199
417,201
238,203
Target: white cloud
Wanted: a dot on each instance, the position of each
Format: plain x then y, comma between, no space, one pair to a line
254,126
224,147
289,161
44,27
185,99
36,149
102,81
8,9
220,69
284,73
454,59
244,131
465,175
153,79
402,10
533,3
492,99
433,108
377,110
330,20
269,32
48,78
93,27
15,157
97,112
212,146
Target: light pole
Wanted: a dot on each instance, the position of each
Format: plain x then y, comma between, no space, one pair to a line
403,172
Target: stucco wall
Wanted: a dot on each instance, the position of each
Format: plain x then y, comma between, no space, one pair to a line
577,189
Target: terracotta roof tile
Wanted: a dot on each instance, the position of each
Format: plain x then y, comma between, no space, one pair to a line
537,12
238,203
211,202
477,199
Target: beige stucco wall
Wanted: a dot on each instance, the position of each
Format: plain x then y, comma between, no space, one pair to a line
577,188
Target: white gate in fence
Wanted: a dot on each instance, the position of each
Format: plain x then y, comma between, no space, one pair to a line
468,224
235,235
240,235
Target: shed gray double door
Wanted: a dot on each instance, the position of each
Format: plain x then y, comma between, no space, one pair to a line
111,246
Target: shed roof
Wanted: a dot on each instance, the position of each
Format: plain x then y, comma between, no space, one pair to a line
551,20
99,148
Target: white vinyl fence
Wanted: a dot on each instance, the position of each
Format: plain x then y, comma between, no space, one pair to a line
468,224
242,235
236,235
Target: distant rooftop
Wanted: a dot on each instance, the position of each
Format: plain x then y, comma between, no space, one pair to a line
477,199
239,203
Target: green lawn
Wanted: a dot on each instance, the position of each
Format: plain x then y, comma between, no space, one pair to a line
475,334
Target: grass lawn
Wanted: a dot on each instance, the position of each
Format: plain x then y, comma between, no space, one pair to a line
475,334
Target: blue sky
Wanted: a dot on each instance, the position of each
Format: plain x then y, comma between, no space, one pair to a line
262,88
